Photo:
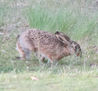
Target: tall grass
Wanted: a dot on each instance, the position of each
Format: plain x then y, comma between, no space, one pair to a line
2,14
77,21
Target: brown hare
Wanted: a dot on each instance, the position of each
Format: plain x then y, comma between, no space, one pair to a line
46,45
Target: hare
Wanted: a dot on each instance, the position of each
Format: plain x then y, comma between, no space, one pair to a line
51,46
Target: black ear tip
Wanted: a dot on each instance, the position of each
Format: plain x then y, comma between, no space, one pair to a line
57,32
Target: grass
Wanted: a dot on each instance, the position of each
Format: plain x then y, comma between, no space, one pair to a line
75,21
85,81
78,19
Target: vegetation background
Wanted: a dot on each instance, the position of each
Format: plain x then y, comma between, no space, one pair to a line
76,18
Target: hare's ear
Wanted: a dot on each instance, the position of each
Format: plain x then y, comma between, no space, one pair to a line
64,36
61,38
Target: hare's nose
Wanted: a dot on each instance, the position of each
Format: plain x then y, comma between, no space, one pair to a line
79,54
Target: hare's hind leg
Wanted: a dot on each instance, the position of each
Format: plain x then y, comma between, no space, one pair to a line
21,52
27,53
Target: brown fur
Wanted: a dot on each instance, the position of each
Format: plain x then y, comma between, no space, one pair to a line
46,45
